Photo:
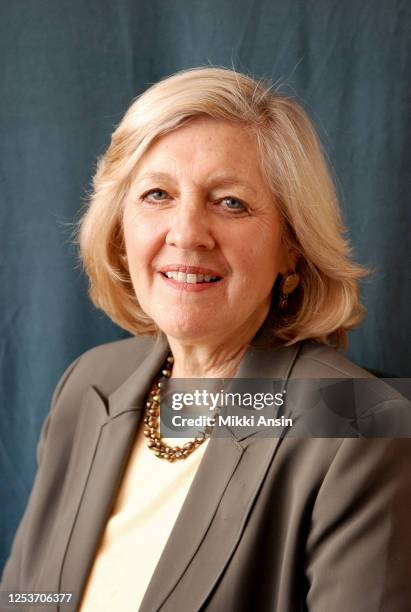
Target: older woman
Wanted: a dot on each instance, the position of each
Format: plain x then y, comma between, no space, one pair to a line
213,229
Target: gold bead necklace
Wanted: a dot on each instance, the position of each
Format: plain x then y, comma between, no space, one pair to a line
152,423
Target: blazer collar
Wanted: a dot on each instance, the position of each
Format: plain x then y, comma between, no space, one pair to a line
264,358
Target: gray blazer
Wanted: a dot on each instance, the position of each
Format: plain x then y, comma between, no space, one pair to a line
269,524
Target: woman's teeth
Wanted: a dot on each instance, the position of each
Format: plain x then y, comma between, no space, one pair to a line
182,277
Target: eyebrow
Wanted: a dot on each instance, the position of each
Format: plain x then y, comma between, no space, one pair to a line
224,180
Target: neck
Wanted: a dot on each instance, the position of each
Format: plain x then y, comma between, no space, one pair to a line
207,359
201,362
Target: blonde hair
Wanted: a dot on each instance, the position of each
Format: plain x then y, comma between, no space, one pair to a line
326,303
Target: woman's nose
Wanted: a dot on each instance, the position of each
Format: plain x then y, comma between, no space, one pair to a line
190,228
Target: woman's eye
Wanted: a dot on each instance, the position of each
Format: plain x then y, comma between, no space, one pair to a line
156,195
234,204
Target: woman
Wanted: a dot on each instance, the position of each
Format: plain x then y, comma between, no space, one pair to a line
213,229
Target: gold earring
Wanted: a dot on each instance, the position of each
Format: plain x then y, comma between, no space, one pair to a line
288,285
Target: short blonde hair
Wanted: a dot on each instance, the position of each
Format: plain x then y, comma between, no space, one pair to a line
326,303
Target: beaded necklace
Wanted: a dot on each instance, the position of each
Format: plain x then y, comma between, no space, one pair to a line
152,423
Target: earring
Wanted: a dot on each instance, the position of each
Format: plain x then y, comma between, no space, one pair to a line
288,285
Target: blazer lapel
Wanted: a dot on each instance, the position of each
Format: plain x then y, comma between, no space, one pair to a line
209,524
217,505
93,416
99,459
103,441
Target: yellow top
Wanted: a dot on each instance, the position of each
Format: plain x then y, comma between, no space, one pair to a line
149,500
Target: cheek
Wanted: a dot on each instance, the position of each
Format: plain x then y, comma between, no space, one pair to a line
142,238
260,259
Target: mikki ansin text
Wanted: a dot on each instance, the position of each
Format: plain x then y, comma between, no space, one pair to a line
179,420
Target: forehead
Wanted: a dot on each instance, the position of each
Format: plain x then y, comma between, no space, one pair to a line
204,148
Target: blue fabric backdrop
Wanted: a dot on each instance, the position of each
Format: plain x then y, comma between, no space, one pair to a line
69,69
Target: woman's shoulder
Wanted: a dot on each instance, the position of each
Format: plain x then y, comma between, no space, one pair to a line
376,406
320,360
133,347
107,365
103,368
305,359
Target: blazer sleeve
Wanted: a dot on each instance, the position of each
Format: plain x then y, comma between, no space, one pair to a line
11,579
359,547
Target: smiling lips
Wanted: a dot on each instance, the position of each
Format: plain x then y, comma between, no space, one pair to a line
190,278
181,277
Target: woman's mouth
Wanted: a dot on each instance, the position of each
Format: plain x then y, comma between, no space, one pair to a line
182,277
189,281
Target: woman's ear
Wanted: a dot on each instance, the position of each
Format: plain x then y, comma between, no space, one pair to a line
289,260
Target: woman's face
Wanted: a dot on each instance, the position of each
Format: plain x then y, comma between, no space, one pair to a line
202,233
